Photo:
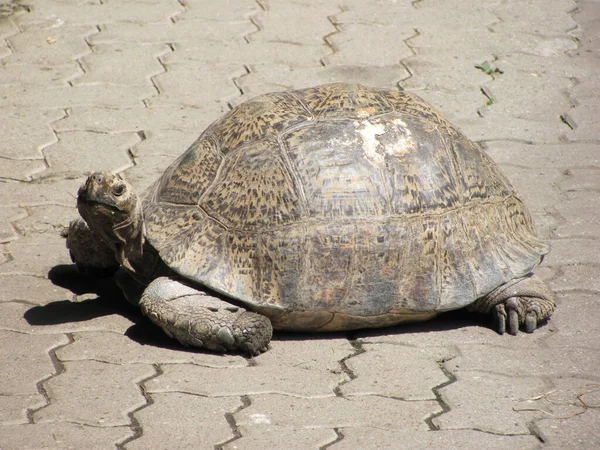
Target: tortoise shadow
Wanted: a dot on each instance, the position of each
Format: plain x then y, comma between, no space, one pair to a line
110,300
451,320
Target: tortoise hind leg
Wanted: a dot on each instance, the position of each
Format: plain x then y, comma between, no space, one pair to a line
197,319
523,302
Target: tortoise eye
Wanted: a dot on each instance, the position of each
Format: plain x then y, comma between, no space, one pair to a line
119,189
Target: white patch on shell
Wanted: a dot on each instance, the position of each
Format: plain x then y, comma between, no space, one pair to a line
260,418
374,149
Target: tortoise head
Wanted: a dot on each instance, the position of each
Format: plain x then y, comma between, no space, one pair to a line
113,211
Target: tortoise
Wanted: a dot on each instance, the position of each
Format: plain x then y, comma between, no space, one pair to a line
335,207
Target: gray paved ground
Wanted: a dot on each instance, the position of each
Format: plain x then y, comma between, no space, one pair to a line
127,85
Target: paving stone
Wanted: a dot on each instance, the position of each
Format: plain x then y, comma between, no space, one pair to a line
50,46
109,120
178,420
180,31
350,49
45,219
459,108
371,13
7,27
525,361
26,74
568,398
434,72
225,11
259,437
191,85
14,407
36,193
573,251
116,348
26,361
166,143
362,437
104,95
584,179
556,156
20,169
30,289
582,117
404,372
486,401
147,170
239,52
576,318
96,13
264,78
577,278
35,255
24,132
311,25
579,211
9,215
79,153
300,369
122,64
543,24
336,412
61,436
571,432
86,393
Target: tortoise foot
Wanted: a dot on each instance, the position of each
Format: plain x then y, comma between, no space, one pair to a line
197,319
524,303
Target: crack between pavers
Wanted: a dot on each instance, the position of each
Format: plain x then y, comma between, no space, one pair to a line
438,396
402,61
229,417
59,369
339,437
358,350
252,18
135,425
337,30
236,83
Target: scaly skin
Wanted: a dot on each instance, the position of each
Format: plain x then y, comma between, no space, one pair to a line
197,319
521,303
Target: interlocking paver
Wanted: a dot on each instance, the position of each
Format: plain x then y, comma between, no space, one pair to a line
94,393
122,64
178,420
181,31
312,370
311,26
404,372
461,439
99,12
61,436
29,364
336,412
487,401
259,437
24,132
107,152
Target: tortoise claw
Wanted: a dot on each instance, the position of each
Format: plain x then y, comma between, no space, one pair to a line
501,318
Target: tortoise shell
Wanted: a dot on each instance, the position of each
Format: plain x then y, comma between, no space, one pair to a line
340,207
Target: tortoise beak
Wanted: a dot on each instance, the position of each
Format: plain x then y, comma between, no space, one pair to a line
99,188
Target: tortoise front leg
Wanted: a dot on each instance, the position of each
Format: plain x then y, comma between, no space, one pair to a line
525,302
197,319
